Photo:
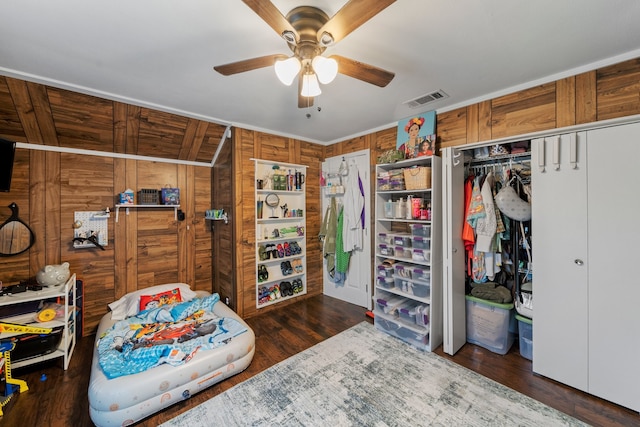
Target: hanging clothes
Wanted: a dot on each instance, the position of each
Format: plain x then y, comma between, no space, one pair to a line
486,226
328,233
353,210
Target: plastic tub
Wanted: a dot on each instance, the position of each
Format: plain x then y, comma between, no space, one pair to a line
525,330
402,252
421,230
385,282
412,287
403,270
385,238
421,274
420,255
490,325
402,239
385,249
421,242
385,270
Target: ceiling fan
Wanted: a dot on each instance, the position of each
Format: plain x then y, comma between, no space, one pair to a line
308,31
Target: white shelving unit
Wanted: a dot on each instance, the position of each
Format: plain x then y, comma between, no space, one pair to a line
66,292
277,230
408,288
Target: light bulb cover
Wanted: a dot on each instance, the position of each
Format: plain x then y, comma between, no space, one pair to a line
287,69
310,86
325,68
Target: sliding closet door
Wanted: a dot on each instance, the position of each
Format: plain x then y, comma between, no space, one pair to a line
560,268
614,267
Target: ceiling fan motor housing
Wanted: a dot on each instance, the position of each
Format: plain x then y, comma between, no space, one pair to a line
306,20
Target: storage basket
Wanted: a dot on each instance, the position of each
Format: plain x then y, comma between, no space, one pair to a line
148,197
418,178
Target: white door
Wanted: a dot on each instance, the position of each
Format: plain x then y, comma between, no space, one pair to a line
560,264
614,293
356,288
453,268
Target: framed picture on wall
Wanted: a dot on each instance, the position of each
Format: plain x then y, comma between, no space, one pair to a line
417,135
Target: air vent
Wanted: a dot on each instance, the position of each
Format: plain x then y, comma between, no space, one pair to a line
425,99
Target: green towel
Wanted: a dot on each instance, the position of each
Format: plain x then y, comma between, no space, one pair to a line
342,257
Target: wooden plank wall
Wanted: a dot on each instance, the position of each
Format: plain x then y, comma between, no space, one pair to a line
149,247
250,144
146,247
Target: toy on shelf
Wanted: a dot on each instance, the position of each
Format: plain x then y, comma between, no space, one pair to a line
6,346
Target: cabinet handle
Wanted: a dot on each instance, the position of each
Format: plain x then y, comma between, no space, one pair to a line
578,261
573,151
541,159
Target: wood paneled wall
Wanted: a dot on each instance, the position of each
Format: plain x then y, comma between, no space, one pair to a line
250,144
149,247
146,247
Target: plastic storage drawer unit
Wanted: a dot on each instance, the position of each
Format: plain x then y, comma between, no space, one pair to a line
525,330
490,325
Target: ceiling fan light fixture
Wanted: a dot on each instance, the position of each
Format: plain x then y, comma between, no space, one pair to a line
310,86
287,70
325,68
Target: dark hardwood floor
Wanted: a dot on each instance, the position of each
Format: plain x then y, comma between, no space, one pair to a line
61,398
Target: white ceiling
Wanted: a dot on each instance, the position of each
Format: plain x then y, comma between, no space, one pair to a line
161,53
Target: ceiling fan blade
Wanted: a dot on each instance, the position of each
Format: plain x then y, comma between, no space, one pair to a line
272,16
361,71
303,101
353,14
248,64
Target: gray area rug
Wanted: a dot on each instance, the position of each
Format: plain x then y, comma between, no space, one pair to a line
363,377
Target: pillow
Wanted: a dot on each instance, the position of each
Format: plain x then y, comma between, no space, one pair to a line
147,302
129,305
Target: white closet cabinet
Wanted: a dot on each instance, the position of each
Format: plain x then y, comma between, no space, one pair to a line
585,212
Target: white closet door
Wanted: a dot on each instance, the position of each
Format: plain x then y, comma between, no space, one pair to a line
453,267
560,294
356,288
614,267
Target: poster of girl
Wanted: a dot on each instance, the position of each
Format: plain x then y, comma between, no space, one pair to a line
416,135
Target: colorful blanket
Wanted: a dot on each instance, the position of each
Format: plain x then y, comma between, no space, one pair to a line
167,334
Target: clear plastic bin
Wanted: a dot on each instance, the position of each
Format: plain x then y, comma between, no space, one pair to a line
401,269
417,337
421,230
385,270
402,252
385,249
389,304
412,287
402,239
490,325
420,255
420,274
421,242
525,330
385,282
385,238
